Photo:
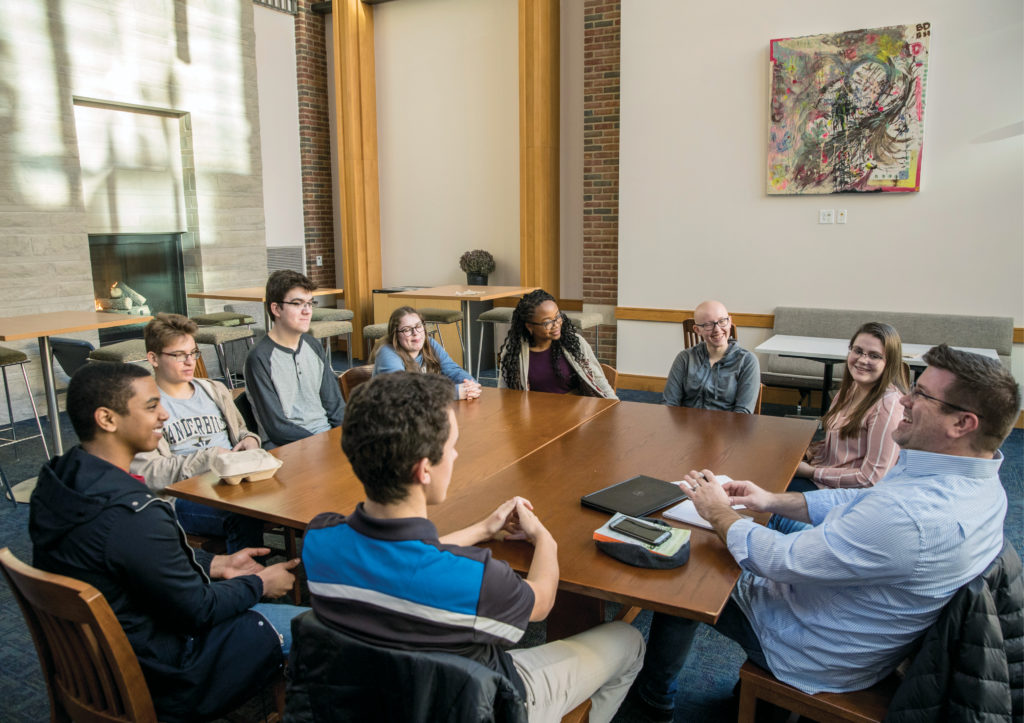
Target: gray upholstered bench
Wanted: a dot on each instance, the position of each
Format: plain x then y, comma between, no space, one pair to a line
985,332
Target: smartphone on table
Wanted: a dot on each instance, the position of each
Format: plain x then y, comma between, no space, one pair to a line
641,530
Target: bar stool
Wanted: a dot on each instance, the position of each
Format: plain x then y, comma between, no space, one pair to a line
327,329
444,316
223,318
218,336
132,350
10,357
497,315
371,333
588,320
8,492
329,314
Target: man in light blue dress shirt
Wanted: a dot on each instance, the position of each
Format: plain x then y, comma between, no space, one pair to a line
837,606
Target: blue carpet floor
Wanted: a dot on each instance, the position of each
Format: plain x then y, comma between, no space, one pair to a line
706,683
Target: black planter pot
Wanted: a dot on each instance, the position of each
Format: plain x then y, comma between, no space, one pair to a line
476,279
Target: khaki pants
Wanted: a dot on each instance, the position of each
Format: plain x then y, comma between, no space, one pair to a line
599,664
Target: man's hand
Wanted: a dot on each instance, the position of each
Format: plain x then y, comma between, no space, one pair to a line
503,523
248,442
705,491
469,389
278,579
239,563
529,525
711,500
744,492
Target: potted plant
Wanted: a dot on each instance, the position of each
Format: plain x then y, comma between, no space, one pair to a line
477,264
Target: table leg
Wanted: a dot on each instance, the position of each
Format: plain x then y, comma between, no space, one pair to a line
467,333
826,388
45,361
573,613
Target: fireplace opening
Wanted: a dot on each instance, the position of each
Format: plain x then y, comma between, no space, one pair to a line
136,274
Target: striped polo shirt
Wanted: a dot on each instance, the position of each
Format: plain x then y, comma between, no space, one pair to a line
391,582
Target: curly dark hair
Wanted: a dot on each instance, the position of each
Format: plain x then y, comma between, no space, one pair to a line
101,384
518,332
391,423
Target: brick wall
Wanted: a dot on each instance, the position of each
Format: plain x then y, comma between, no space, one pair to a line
601,40
315,142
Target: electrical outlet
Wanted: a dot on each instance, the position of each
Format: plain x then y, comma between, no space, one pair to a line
319,260
827,215
841,216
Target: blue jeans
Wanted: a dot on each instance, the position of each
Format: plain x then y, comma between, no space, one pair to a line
240,531
280,616
784,524
669,644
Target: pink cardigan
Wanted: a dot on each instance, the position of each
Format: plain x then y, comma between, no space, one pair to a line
862,460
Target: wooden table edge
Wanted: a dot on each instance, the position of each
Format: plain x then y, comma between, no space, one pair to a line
75,329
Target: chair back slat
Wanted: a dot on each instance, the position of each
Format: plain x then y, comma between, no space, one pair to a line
91,672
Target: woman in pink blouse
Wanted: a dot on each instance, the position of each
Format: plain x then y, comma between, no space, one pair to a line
858,448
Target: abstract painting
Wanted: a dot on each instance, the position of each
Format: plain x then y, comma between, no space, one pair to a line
847,111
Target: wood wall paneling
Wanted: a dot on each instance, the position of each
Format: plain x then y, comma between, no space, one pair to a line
539,144
358,182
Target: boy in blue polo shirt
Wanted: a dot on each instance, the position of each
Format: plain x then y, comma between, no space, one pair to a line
383,575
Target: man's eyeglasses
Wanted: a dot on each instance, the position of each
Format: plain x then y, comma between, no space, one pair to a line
722,323
300,304
916,393
873,356
410,330
181,356
549,324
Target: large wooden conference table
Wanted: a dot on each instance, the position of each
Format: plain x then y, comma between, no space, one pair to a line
553,449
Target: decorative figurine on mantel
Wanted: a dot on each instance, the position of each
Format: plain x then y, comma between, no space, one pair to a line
477,264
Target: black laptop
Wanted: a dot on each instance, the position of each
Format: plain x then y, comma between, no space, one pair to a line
636,497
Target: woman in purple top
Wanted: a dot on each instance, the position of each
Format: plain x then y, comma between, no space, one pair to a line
544,353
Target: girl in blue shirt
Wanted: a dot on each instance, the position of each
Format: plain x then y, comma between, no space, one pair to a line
409,349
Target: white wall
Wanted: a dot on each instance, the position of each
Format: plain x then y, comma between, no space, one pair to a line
448,137
695,221
279,126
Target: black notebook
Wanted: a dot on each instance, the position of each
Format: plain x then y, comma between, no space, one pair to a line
636,497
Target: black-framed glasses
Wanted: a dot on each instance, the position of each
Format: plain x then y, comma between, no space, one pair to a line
410,330
916,393
873,356
549,324
707,326
300,304
181,356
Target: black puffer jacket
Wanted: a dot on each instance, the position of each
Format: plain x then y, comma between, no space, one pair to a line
970,666
334,677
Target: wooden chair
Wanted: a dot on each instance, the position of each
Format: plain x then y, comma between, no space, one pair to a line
352,378
692,338
91,672
862,706
612,375
760,396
